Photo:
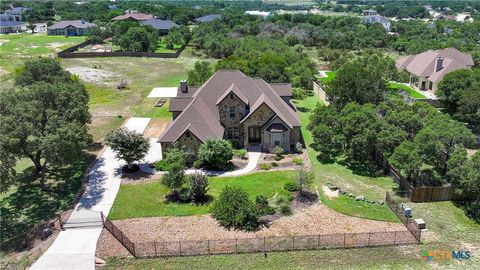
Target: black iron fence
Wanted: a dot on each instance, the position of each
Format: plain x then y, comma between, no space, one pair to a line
398,209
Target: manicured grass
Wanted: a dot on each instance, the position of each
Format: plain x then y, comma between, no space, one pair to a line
148,199
330,76
148,109
397,87
373,188
17,48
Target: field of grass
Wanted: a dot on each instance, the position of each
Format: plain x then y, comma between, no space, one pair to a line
162,47
17,48
373,188
330,76
148,199
148,109
397,87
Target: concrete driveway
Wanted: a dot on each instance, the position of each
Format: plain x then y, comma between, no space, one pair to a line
253,158
75,248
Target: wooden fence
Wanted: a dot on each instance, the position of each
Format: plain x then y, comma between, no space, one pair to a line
318,89
71,53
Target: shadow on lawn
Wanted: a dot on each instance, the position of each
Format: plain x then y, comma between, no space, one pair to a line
28,205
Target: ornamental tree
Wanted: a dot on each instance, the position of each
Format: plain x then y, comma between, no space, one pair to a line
128,145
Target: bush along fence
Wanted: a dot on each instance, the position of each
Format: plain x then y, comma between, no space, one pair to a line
71,53
416,194
398,209
260,244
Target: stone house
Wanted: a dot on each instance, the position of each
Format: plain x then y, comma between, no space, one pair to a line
70,28
427,69
249,112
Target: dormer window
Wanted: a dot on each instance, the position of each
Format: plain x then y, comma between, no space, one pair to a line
232,111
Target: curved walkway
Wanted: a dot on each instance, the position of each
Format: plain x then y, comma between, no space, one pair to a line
75,248
253,158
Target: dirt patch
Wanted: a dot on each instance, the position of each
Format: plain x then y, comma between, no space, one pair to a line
91,75
156,127
313,220
330,193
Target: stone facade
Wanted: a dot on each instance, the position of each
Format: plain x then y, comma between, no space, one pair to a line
188,142
231,119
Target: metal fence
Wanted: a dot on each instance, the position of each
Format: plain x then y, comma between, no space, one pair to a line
398,209
269,244
119,235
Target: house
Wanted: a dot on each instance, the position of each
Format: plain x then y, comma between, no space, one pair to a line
369,12
428,68
444,17
264,14
249,112
7,27
133,15
163,26
385,22
208,18
69,28
13,14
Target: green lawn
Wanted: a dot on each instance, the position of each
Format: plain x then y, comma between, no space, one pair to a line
148,199
373,188
162,47
148,109
17,48
330,76
397,87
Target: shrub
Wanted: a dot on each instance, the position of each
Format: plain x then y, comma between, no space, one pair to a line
298,147
174,177
234,209
286,209
472,210
265,166
274,164
197,164
298,161
299,93
291,186
304,179
198,183
161,165
215,153
278,152
240,153
263,207
185,195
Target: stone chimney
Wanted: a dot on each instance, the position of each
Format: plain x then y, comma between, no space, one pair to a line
438,64
184,86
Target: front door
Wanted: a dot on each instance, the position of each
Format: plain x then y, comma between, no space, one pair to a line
254,134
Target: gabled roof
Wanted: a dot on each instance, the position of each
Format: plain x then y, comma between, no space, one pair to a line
134,16
77,24
208,18
159,24
375,19
10,23
202,115
423,64
236,91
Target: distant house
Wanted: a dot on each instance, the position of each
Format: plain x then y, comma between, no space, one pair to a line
369,12
385,22
163,26
249,112
69,28
133,15
264,14
112,7
445,17
208,18
428,68
13,14
7,27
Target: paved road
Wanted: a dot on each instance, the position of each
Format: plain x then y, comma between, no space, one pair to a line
75,248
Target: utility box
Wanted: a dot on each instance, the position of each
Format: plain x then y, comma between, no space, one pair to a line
420,224
408,212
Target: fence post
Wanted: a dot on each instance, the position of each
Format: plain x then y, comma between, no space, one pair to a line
155,247
369,233
208,245
103,218
134,252
344,237
236,246
60,221
180,247
264,245
395,238
293,242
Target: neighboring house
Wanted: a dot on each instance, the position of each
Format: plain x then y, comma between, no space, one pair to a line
134,16
208,18
7,27
385,22
250,112
163,26
69,28
445,17
264,14
428,68
13,14
369,12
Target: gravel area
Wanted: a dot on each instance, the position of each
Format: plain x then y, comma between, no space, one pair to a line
317,219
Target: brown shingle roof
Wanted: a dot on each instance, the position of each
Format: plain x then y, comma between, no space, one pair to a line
178,104
423,64
283,89
201,115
